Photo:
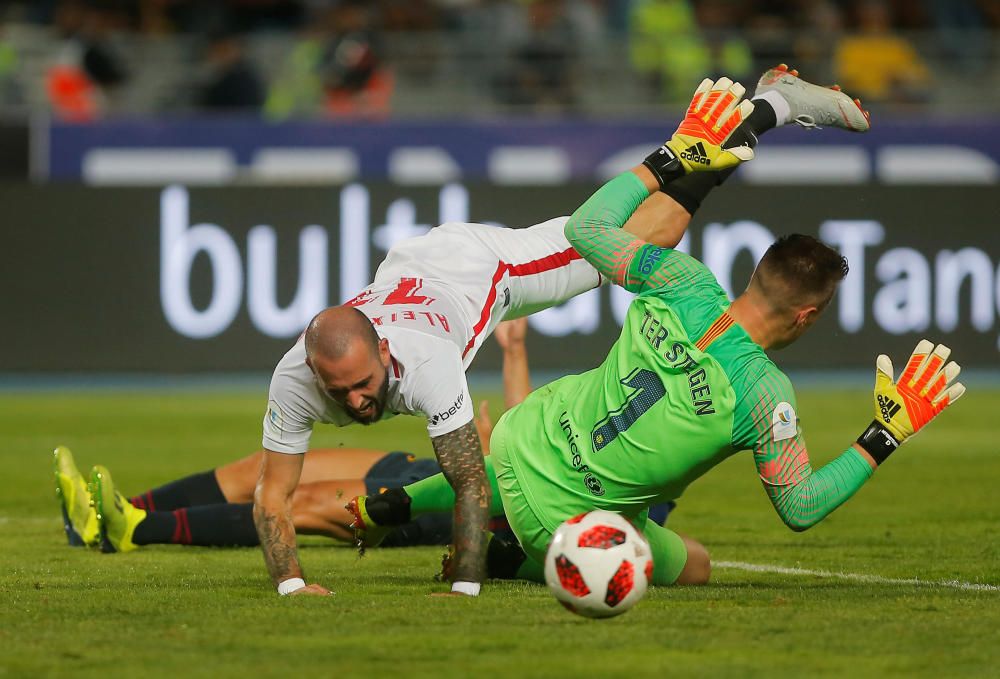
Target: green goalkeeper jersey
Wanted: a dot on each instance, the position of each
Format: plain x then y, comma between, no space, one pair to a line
683,388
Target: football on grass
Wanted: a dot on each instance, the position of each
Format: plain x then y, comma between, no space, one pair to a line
598,565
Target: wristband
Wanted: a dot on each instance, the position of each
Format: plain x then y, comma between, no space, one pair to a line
290,585
664,165
470,588
878,441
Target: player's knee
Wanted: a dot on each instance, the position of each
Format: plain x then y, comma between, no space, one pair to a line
306,499
698,568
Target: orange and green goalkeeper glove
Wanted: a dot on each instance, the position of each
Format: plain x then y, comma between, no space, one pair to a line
903,408
714,113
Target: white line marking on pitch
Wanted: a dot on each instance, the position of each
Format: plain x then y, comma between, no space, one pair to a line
857,577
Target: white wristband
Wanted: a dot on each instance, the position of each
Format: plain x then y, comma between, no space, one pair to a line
290,585
470,588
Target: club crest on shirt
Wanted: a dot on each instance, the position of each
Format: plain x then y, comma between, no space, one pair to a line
274,416
784,424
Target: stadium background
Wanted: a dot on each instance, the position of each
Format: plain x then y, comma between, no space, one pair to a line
184,183
294,142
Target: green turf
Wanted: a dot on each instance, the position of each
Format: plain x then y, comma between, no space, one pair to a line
932,513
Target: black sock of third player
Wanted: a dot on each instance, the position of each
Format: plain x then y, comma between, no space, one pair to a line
221,525
191,491
690,190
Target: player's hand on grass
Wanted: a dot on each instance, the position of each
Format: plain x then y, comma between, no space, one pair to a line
484,426
699,142
511,333
312,590
926,387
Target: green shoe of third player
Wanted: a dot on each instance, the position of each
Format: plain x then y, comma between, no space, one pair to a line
116,516
79,516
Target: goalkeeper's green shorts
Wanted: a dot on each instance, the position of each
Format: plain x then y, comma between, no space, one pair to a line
668,549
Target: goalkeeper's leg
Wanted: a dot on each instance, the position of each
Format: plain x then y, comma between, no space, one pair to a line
677,559
377,513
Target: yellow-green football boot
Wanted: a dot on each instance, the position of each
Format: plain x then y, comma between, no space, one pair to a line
367,533
79,517
116,516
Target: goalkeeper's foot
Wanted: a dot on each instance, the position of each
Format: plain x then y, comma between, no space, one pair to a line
367,533
814,106
79,517
116,516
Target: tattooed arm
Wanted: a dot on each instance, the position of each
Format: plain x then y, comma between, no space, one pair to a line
461,460
272,514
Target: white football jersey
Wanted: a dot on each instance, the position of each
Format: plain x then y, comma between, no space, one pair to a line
435,298
427,334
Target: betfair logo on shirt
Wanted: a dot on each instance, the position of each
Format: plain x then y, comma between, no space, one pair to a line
446,415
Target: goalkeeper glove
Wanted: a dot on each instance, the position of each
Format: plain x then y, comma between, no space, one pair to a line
903,408
714,113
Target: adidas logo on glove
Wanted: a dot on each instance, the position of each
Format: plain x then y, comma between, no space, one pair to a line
888,407
696,154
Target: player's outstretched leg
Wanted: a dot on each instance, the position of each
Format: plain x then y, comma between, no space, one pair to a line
79,517
798,101
116,517
377,514
782,97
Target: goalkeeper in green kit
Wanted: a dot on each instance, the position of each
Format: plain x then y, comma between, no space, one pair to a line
686,385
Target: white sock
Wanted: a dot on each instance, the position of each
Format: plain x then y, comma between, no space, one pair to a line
781,108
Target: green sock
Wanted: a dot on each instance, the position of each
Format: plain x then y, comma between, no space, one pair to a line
531,570
434,494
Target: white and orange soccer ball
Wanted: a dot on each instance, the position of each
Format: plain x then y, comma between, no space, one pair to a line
598,565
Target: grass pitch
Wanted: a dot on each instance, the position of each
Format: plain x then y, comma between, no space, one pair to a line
931,513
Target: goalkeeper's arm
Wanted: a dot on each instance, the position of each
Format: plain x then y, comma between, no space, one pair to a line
803,497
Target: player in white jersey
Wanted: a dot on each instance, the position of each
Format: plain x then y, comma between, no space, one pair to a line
402,345
472,276
434,299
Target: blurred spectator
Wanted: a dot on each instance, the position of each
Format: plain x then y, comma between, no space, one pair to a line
670,51
232,82
877,65
100,59
88,69
354,78
961,28
820,26
541,65
297,88
10,91
722,29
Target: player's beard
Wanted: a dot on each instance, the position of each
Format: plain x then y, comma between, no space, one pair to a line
377,405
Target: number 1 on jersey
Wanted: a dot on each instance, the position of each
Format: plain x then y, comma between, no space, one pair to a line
647,390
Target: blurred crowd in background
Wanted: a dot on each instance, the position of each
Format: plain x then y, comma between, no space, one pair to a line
87,59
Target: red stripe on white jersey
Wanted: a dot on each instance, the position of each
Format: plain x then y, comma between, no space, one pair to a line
553,261
535,266
484,316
